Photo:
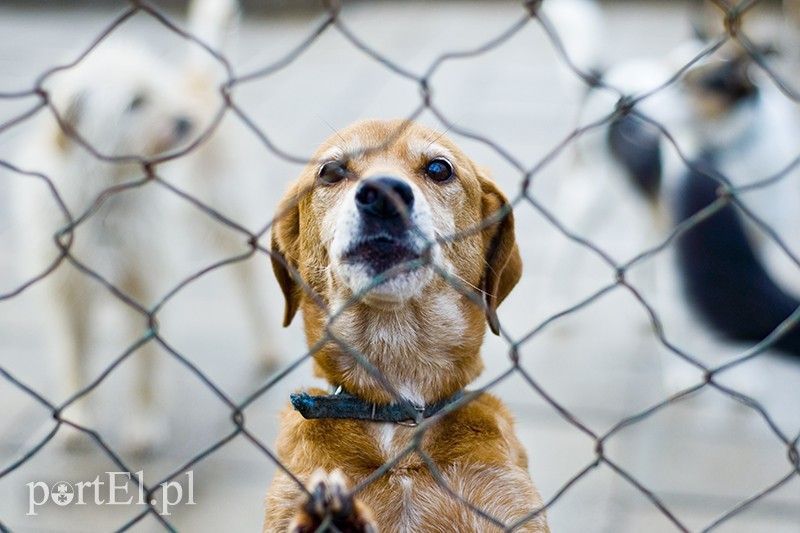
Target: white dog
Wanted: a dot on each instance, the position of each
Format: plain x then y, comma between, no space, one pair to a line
118,108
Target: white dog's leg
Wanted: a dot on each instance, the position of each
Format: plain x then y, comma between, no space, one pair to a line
71,308
146,428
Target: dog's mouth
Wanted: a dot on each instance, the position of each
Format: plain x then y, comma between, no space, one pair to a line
382,252
175,135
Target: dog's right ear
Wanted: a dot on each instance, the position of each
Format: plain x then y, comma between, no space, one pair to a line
69,118
284,237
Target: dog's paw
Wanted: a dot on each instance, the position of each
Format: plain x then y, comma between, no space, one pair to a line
145,432
330,503
70,437
74,441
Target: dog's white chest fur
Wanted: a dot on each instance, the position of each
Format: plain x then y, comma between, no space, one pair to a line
384,435
409,350
392,442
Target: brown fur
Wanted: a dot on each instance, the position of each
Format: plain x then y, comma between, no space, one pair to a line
428,345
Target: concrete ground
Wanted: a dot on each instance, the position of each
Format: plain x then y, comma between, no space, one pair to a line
599,372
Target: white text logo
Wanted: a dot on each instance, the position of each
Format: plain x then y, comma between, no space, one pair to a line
115,490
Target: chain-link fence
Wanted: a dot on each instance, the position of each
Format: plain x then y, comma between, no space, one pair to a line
140,191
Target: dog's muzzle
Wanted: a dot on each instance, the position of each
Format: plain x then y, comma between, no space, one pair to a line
385,236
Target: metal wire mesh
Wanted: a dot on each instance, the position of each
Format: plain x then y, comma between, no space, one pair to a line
522,197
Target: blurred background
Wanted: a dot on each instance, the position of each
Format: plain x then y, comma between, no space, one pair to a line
668,462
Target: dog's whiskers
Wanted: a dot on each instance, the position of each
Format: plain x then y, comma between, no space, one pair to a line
318,268
442,134
334,130
467,283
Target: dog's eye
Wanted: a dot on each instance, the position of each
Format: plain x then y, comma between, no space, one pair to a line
439,170
333,172
138,101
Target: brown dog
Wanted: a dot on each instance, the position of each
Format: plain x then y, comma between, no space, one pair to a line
397,201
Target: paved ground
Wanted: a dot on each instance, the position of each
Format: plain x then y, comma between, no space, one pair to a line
699,458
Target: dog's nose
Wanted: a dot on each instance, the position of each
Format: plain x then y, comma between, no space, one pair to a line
384,197
183,126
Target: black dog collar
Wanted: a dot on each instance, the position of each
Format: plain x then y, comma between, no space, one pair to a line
346,405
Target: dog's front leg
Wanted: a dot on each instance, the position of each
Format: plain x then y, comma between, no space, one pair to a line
146,426
71,307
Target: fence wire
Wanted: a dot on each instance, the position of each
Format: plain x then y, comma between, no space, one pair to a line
731,17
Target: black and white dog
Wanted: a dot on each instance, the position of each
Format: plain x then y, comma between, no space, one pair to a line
734,275
743,130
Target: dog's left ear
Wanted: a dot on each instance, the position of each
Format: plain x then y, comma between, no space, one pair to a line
503,262
284,237
70,118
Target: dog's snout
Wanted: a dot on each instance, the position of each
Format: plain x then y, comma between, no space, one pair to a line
384,197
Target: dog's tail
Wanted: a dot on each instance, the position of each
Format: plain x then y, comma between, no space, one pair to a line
724,280
636,146
579,24
633,139
212,22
